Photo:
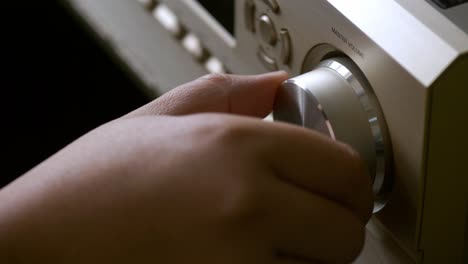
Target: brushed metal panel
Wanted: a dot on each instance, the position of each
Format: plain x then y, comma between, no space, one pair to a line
138,39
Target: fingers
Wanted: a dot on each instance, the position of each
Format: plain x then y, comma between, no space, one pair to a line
320,165
297,156
312,229
243,95
307,160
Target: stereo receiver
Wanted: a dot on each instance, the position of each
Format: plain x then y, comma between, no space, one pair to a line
389,77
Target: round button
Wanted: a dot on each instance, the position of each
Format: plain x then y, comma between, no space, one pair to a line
267,30
285,54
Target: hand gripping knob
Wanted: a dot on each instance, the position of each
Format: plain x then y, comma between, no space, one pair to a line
336,100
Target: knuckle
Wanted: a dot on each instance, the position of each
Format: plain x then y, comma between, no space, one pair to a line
242,205
217,79
207,125
233,134
226,134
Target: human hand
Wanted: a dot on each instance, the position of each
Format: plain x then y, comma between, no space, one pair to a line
183,180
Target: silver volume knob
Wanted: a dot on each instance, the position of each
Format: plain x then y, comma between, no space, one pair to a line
336,100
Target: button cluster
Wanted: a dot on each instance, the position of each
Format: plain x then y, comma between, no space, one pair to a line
275,46
192,44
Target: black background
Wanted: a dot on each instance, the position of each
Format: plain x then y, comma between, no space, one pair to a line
57,83
223,11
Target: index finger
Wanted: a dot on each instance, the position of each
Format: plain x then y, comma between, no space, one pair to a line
219,93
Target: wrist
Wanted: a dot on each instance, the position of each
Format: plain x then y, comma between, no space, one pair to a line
8,244
20,223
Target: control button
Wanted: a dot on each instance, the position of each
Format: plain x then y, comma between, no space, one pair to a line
214,65
273,4
285,54
267,61
267,30
194,46
249,15
168,20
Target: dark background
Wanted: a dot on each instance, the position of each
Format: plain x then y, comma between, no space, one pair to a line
57,83
223,11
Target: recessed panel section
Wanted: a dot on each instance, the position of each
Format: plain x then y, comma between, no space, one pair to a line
449,3
454,10
222,11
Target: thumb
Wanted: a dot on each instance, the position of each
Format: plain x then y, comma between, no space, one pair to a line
244,95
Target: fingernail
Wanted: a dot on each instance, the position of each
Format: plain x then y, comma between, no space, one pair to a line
275,73
260,77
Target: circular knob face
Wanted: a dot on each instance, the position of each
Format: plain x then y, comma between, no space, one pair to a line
336,100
